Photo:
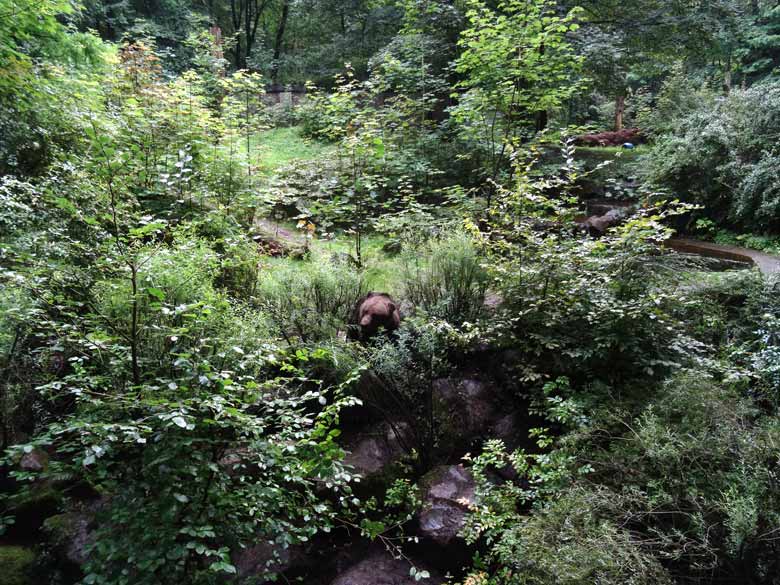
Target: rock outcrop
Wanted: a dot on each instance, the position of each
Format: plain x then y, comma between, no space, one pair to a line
447,492
375,448
263,559
35,460
381,568
70,536
470,406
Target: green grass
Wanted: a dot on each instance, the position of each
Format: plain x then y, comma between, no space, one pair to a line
611,152
622,161
281,146
381,271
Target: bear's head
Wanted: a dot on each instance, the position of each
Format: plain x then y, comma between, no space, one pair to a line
375,312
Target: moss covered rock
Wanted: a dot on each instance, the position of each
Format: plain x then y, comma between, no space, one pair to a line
15,565
30,508
69,536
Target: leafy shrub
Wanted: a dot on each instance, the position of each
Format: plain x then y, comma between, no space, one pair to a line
723,155
19,359
283,114
310,300
193,471
590,310
679,96
678,490
170,282
769,244
721,306
445,277
402,373
329,116
571,540
239,258
695,426
17,563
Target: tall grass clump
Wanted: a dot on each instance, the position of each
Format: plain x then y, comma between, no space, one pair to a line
311,301
446,279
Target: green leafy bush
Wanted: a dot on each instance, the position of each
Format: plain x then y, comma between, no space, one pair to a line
199,466
676,491
570,540
723,155
403,371
578,307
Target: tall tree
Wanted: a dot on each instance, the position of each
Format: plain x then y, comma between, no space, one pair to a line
245,17
621,39
516,65
279,40
759,56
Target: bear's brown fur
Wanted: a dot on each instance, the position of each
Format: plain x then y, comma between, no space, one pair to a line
374,312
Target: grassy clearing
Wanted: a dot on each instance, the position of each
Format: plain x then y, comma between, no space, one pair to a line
622,162
381,270
281,146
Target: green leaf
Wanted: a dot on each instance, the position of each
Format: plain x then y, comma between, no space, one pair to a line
156,293
223,567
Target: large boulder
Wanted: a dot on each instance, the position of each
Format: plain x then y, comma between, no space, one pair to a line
381,568
469,406
372,450
34,460
264,559
70,536
447,493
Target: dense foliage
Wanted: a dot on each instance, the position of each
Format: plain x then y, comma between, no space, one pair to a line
190,390
721,154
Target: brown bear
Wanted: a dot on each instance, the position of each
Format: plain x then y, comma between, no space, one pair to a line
372,313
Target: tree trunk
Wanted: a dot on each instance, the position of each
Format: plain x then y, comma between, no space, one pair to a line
247,33
727,76
279,40
620,108
236,13
239,57
542,117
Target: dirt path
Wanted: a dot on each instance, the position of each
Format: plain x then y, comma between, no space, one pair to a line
768,265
